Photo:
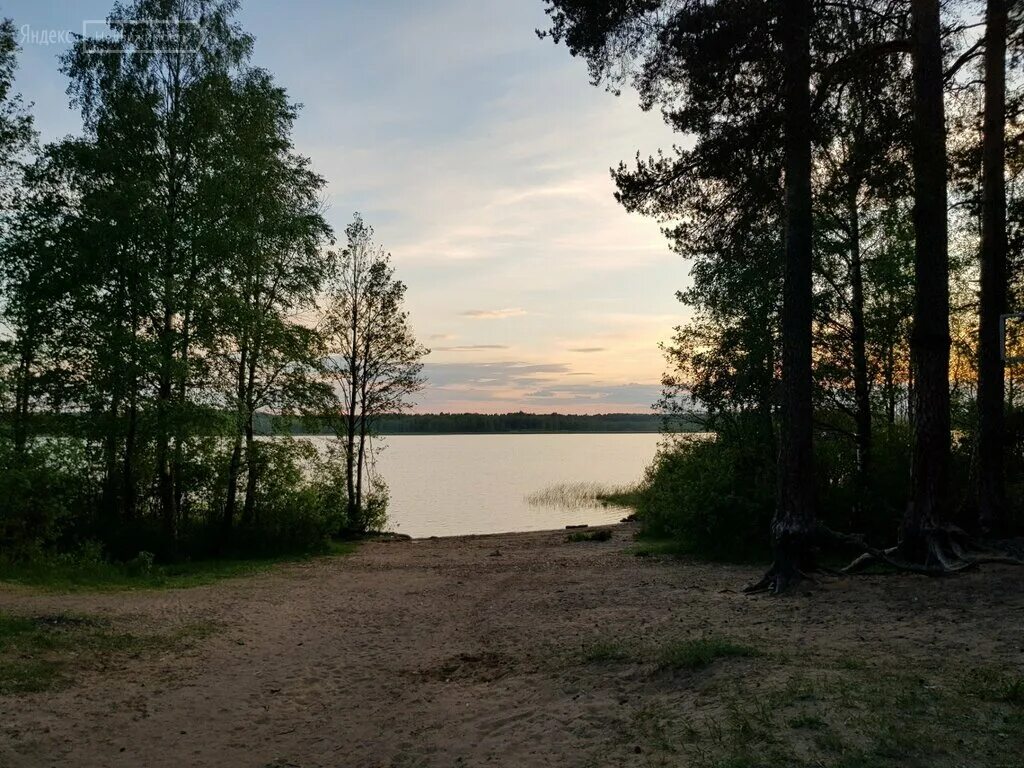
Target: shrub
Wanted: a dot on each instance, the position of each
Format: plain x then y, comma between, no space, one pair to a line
714,496
604,534
300,501
41,491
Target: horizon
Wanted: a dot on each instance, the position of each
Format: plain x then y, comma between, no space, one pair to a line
534,288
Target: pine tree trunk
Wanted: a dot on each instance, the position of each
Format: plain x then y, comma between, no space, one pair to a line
858,339
930,341
794,520
991,429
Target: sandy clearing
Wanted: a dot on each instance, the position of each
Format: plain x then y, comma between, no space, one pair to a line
463,651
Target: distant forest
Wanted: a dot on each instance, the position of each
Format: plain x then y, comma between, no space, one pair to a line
483,423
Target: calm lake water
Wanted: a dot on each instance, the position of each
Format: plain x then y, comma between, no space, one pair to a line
452,485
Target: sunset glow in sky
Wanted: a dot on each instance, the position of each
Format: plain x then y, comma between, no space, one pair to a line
480,155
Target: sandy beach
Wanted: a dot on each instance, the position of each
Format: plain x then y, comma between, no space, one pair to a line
481,651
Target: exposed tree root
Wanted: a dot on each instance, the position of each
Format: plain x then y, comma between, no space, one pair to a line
939,552
776,581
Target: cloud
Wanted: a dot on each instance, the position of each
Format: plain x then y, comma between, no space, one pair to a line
497,387
469,348
588,350
494,314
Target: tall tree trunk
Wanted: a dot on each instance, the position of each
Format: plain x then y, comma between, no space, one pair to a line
858,339
930,342
360,465
889,375
23,397
794,520
128,459
181,397
235,463
252,478
234,470
991,500
249,508
165,484
113,486
355,387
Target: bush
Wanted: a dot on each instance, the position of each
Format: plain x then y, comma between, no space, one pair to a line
714,496
300,499
41,491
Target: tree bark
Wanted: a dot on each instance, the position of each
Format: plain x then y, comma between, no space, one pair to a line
794,520
249,508
235,463
991,393
930,341
23,397
355,387
858,339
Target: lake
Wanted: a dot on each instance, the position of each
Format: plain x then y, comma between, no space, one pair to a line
453,485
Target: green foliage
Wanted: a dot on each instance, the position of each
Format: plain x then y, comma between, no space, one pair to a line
87,570
603,534
715,497
299,499
700,653
43,491
157,276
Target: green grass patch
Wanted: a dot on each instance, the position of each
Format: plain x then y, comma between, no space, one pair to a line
604,651
658,548
700,653
807,722
625,496
603,534
815,711
44,652
71,574
689,654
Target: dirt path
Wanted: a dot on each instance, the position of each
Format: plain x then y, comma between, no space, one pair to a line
470,652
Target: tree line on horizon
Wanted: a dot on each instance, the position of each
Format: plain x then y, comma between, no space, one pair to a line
846,190
167,276
481,423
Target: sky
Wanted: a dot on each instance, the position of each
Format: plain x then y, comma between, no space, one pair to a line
480,154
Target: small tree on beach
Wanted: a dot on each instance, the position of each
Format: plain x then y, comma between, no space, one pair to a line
374,357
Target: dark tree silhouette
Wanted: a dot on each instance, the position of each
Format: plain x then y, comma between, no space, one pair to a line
991,501
930,342
794,520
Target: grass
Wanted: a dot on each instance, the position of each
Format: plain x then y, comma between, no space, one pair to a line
69,574
659,548
603,651
41,653
602,534
815,711
623,496
647,546
689,654
584,495
700,653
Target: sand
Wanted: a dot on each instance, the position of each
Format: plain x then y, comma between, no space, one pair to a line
461,652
